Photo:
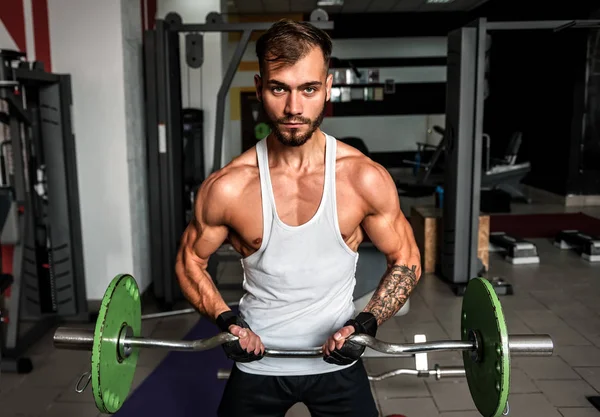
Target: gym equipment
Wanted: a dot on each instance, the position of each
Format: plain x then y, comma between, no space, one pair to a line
41,226
120,315
588,246
168,193
463,133
421,367
193,151
424,169
485,343
487,367
517,251
464,130
505,174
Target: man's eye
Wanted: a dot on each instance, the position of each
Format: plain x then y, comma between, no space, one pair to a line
277,90
310,90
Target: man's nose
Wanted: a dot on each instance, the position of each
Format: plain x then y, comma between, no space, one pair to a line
294,103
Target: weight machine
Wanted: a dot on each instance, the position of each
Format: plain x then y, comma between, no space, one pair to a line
464,125
43,279
169,195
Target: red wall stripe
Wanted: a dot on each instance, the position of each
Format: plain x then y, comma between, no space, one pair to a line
13,17
148,14
143,8
41,32
151,13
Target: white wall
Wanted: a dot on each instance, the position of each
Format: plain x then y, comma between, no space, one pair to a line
99,44
6,41
86,42
133,72
200,86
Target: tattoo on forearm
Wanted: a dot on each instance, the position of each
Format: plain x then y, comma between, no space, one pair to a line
392,292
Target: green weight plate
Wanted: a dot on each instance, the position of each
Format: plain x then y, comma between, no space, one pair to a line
112,375
488,375
261,130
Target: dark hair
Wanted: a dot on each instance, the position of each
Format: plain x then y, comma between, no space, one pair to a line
287,41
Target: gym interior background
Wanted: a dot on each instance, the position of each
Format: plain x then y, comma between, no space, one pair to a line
535,125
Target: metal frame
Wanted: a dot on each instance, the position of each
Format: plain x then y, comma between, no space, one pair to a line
464,122
49,225
165,138
555,25
49,99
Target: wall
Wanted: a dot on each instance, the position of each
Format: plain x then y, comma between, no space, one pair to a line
133,72
200,86
381,133
86,42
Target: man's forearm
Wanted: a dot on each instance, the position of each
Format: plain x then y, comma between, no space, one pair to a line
392,292
199,289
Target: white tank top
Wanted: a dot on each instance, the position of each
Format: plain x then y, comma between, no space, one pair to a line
299,284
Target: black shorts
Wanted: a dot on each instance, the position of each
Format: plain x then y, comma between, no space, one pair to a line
340,393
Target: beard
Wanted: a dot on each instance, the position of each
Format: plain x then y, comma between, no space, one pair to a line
293,137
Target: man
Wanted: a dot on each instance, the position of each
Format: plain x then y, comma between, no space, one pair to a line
296,207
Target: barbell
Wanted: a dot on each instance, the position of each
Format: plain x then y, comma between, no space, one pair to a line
485,345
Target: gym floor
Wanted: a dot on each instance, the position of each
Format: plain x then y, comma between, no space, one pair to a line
560,296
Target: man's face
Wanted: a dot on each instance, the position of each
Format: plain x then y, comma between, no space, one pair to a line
294,97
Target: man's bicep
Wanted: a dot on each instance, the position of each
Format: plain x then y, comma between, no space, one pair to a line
385,224
202,240
389,232
207,230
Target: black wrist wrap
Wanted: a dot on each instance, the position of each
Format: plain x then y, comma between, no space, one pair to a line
364,323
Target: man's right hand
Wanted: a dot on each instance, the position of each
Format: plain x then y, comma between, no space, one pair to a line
251,347
248,347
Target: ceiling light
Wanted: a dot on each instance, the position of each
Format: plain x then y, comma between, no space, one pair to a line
322,3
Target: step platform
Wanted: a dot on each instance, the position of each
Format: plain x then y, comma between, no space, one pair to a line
588,246
517,251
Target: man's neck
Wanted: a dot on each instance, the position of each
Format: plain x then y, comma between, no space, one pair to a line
310,154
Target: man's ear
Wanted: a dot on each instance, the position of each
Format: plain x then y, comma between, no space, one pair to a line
328,84
258,87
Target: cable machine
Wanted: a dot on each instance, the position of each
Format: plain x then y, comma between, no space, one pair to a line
42,280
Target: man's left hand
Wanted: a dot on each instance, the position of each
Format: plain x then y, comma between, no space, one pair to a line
339,351
337,340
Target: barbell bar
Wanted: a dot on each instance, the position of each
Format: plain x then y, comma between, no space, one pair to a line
83,339
485,344
438,372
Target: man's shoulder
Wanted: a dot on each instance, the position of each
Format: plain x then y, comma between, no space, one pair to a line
367,177
355,162
233,178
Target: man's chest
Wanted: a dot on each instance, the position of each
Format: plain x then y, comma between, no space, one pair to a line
294,202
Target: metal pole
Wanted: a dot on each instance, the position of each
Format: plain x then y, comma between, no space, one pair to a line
543,24
476,140
222,94
82,339
169,314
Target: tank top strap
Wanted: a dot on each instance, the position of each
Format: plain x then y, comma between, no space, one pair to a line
265,185
330,157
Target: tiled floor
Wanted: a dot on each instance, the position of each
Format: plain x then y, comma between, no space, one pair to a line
560,296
